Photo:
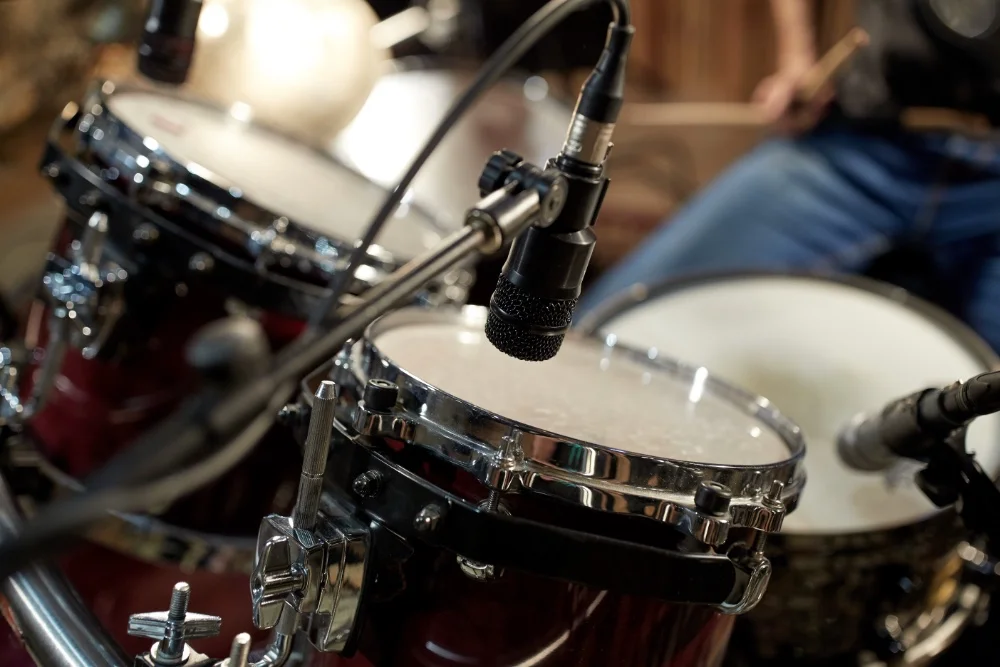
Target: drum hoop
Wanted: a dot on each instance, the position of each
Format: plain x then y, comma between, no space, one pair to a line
264,233
818,542
585,473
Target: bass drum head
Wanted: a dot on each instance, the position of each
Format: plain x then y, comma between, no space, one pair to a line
822,351
275,172
404,109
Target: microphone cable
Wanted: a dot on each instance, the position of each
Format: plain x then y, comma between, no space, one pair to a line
57,522
512,50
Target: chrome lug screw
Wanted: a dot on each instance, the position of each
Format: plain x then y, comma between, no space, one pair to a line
368,484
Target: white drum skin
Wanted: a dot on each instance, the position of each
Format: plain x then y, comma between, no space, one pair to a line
821,351
578,394
856,550
271,170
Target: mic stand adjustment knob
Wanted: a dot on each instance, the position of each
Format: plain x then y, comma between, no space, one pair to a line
497,170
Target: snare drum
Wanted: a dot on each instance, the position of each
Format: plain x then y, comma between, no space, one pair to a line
867,563
602,447
178,213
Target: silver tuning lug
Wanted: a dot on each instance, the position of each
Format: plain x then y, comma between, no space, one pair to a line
310,568
172,629
85,292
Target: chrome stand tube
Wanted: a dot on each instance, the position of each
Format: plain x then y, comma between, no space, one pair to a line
47,614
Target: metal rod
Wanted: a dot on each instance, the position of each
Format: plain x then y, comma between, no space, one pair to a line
57,629
382,298
316,449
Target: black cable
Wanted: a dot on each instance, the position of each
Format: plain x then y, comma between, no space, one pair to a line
512,50
71,516
58,521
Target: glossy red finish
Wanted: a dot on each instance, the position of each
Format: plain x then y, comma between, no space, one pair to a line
445,619
98,406
116,586
12,651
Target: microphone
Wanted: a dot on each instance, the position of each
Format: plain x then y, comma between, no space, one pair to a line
909,427
168,37
531,308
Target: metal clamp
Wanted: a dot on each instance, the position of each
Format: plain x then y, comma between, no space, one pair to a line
86,293
310,568
316,575
86,297
173,628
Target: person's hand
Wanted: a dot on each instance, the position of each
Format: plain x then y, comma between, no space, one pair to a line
777,96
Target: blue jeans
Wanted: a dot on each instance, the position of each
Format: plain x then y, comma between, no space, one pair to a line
834,201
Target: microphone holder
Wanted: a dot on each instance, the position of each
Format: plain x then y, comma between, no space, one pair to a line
952,476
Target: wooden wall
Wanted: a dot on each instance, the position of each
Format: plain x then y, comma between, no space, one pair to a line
691,50
717,50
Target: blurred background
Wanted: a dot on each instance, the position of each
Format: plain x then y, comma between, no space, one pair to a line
366,82
690,50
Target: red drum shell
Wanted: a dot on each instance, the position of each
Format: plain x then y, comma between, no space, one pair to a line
97,407
445,619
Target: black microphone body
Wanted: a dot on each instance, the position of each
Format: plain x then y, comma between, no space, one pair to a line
532,307
911,426
168,40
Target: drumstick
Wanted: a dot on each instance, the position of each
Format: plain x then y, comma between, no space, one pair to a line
740,114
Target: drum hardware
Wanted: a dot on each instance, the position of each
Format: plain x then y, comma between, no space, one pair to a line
86,299
499,216
47,614
826,599
158,207
517,462
239,655
172,629
930,426
964,602
375,413
310,568
515,542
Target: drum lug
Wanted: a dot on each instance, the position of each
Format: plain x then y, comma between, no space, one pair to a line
85,293
376,415
11,407
767,515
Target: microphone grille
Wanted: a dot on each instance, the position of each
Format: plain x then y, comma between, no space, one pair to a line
525,326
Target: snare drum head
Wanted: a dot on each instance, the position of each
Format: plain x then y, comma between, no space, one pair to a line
587,394
274,172
822,352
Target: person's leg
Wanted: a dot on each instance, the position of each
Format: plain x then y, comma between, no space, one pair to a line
829,201
965,236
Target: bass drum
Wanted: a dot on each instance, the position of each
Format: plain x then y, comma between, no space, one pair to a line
866,565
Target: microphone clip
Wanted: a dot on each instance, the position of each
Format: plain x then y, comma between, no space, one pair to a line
952,476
